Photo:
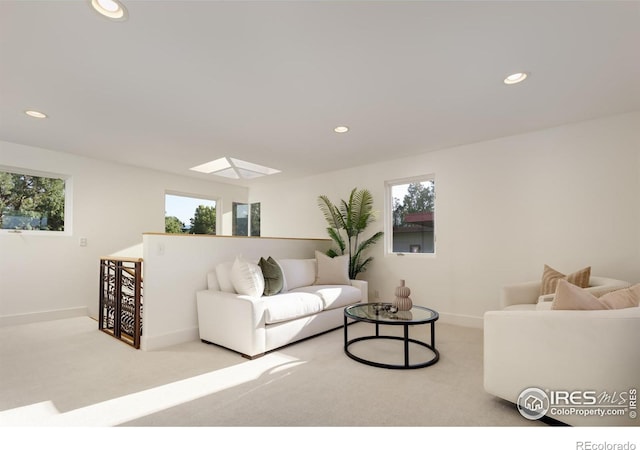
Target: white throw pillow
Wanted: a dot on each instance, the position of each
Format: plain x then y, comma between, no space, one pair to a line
247,278
332,270
223,273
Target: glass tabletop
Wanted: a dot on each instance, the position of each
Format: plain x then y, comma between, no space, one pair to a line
384,313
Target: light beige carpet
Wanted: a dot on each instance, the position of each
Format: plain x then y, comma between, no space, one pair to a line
67,372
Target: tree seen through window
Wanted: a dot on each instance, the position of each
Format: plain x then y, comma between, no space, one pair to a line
189,215
29,202
413,220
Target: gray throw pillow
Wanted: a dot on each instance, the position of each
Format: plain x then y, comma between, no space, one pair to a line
273,278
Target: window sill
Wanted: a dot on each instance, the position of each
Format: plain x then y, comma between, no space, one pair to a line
410,255
34,233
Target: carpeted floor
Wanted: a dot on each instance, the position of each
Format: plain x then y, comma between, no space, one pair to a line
66,372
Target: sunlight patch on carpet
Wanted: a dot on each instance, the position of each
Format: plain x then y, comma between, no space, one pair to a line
129,407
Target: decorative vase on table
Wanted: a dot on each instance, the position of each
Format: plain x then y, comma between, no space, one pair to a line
403,301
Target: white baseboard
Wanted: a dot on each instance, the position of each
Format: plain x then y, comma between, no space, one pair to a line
150,343
43,316
462,320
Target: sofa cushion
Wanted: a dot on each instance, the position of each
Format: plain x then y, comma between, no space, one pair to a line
212,281
569,296
521,307
332,270
247,278
297,272
551,276
223,274
334,296
272,273
291,305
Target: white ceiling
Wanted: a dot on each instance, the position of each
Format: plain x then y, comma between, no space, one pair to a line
181,83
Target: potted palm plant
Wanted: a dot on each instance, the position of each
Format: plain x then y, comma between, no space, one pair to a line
347,221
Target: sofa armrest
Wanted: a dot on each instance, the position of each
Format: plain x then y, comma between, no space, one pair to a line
231,320
521,293
364,289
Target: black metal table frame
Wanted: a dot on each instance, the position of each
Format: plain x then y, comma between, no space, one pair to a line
404,338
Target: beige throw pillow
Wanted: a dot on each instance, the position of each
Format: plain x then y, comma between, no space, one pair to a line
332,270
570,296
622,298
551,276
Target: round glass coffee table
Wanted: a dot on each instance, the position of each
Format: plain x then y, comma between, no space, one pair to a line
384,314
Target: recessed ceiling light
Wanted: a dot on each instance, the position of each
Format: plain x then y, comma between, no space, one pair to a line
112,9
341,129
515,78
35,114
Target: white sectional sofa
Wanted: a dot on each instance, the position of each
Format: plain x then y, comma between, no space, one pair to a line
254,324
588,353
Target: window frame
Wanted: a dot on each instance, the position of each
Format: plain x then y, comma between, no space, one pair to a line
388,215
250,213
68,202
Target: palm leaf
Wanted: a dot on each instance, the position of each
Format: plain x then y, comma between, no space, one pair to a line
364,245
337,238
356,203
360,267
331,213
345,212
355,210
362,210
369,242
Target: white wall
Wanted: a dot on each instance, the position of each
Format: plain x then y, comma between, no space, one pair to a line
566,196
50,276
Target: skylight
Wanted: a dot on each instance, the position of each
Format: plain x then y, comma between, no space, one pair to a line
234,168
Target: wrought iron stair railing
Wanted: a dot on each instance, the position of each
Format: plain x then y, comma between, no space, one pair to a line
120,313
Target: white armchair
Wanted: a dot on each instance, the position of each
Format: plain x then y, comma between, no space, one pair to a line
598,351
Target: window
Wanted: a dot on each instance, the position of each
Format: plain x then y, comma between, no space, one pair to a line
189,215
410,222
254,217
246,219
30,202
